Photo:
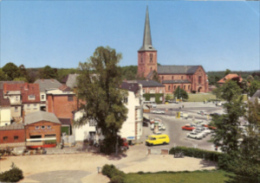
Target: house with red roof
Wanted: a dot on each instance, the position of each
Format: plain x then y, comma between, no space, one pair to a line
24,98
233,77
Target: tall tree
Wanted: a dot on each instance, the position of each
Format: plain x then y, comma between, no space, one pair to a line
180,93
227,72
48,73
98,85
11,70
2,75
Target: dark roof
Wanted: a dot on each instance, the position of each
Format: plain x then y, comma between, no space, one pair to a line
175,81
134,87
65,121
47,84
9,82
147,41
177,69
13,126
4,102
150,83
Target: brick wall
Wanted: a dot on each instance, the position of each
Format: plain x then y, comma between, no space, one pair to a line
10,134
49,129
144,64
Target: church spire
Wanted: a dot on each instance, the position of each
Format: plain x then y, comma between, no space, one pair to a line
147,41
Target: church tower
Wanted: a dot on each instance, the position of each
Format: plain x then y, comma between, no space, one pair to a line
147,54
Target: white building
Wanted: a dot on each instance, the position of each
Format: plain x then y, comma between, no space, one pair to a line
5,110
132,128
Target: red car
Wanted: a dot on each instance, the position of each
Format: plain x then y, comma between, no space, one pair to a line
188,127
210,127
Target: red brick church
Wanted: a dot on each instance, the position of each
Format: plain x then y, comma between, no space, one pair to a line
188,77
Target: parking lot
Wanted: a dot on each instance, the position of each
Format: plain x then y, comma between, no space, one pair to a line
173,125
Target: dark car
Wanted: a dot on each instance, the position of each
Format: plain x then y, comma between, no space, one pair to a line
214,114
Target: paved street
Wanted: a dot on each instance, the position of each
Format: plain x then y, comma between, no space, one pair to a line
173,125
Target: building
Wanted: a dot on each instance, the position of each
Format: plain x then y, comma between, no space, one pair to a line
5,110
42,126
152,90
256,97
46,84
24,98
62,102
191,78
233,77
12,135
71,80
132,128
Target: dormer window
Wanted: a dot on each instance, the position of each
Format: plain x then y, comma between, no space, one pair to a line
31,97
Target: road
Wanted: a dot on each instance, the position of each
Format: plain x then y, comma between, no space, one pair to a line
173,125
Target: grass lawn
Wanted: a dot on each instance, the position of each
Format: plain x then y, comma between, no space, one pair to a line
200,97
217,176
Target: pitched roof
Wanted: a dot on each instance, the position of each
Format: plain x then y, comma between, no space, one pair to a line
13,126
175,81
147,40
150,83
177,69
4,102
230,77
72,80
134,87
40,116
30,91
256,94
47,84
9,82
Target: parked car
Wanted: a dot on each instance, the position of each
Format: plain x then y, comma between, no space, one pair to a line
204,131
124,144
161,126
202,113
210,127
157,139
160,112
184,115
188,127
214,114
195,135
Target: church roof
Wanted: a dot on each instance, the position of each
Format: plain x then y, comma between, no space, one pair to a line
147,40
177,69
150,83
175,81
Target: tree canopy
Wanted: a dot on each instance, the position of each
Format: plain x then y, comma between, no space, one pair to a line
180,93
98,84
11,71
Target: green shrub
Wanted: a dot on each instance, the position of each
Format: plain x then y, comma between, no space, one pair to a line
12,175
117,179
108,170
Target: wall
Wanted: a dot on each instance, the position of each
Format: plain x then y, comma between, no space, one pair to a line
16,112
82,133
155,89
5,116
10,134
60,106
144,64
203,86
29,108
30,130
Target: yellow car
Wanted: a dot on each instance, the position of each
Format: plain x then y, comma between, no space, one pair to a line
157,139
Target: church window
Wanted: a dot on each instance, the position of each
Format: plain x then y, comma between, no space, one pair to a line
172,77
141,57
151,68
199,79
174,87
169,88
151,57
162,78
181,77
189,87
184,87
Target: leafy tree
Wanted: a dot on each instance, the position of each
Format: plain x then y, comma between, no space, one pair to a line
20,79
2,75
102,94
254,86
168,97
250,78
180,93
11,70
156,77
48,73
227,72
129,72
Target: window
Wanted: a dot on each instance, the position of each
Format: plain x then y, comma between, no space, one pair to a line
184,87
160,90
169,88
151,68
143,90
37,127
160,98
49,127
152,99
92,122
174,87
199,79
35,106
141,57
162,78
152,91
125,100
31,97
5,138
28,105
188,87
16,137
151,57
70,98
43,127
15,109
16,98
181,77
42,97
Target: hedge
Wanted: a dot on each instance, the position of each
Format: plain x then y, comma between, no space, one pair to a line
218,157
12,175
157,97
115,175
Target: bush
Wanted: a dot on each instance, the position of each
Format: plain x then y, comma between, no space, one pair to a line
113,173
13,175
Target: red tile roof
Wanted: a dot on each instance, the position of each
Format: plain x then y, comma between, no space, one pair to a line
230,77
26,89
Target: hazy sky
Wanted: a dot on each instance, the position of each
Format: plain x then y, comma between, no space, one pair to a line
217,35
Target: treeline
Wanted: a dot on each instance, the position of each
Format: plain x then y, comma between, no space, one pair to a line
19,73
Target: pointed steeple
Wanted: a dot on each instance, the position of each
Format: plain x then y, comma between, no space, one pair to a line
147,41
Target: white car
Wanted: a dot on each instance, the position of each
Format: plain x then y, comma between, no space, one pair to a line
161,112
195,135
161,126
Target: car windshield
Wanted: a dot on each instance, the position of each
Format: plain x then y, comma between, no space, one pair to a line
152,138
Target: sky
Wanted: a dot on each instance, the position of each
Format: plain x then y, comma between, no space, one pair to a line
218,35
